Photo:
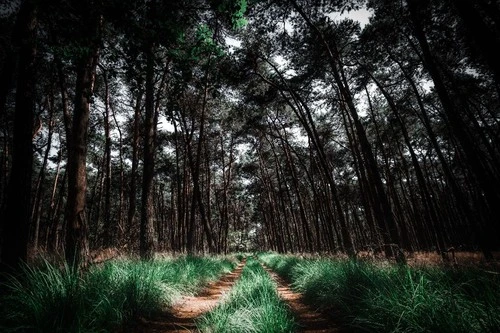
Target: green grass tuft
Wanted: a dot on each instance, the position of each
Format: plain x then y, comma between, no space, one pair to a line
47,298
394,298
252,305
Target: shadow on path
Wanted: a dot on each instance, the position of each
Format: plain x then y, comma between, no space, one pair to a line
308,319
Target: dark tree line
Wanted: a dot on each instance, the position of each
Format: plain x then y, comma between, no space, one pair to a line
134,125
409,158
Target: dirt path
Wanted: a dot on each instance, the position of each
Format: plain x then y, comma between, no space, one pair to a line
181,317
309,320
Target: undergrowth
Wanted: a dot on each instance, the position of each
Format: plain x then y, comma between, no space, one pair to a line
372,298
252,306
47,298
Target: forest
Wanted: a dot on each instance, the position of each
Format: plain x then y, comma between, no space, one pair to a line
273,133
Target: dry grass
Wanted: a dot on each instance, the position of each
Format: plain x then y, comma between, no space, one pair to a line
419,258
460,258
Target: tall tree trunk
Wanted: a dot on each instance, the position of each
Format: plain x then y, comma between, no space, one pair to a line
53,205
463,205
77,247
120,218
146,239
109,226
482,36
7,78
366,194
132,205
4,169
487,182
307,234
346,243
94,201
429,209
197,193
180,212
383,209
40,189
304,113
16,210
55,237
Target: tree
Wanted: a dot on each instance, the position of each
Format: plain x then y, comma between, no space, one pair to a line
17,206
476,160
77,248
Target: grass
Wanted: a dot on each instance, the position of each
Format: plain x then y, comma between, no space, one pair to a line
47,298
252,306
371,298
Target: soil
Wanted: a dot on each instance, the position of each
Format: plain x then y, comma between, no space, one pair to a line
182,315
308,319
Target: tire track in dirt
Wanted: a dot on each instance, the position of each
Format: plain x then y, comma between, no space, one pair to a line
182,315
308,319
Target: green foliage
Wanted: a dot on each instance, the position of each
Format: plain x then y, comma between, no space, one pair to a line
233,10
253,305
205,44
238,18
396,299
71,51
48,298
195,48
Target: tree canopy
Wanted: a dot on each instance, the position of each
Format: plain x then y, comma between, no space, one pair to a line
227,125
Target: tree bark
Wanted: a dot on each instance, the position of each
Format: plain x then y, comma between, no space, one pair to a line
132,205
146,239
16,210
383,209
109,226
40,189
77,247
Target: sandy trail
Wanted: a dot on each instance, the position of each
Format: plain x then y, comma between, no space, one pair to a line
181,317
308,319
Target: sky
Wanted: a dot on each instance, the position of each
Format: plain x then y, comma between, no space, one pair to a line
362,16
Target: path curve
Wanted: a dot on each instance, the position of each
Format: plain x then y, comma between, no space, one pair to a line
181,316
308,319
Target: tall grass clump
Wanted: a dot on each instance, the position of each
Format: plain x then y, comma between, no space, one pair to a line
374,298
433,300
281,264
253,305
48,298
188,274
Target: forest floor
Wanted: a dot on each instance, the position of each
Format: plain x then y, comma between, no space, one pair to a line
182,315
308,319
